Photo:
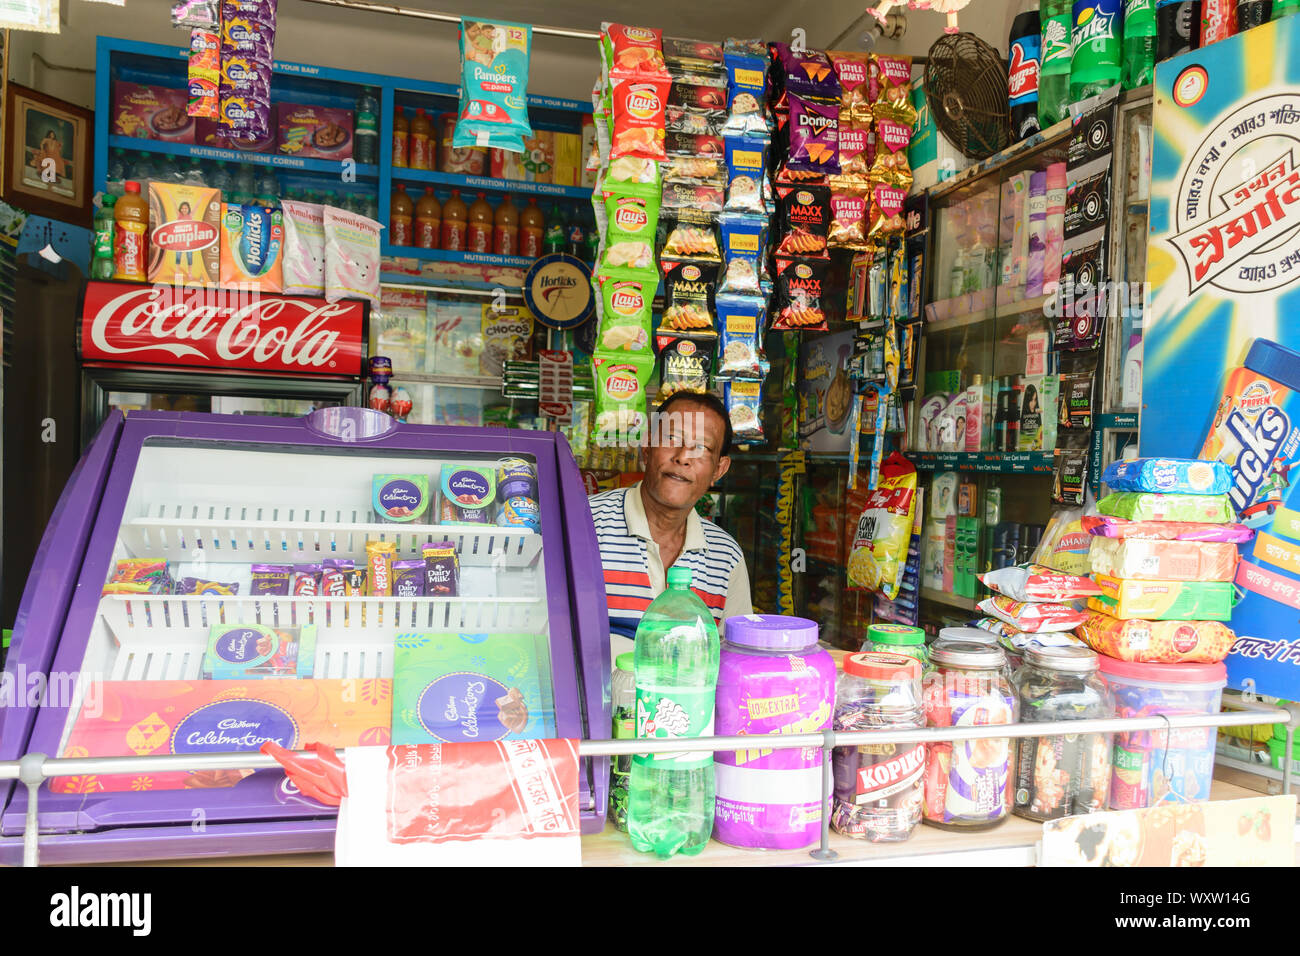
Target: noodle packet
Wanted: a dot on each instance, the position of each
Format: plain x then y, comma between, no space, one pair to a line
1033,582
304,248
351,256
878,557
853,70
638,115
805,219
493,85
848,208
627,297
744,401
746,170
807,73
814,136
1042,616
800,294
891,164
620,413
684,364
632,217
746,92
689,288
740,325
885,215
632,51
743,245
891,89
691,235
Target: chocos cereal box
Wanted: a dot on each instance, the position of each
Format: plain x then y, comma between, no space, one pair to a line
185,242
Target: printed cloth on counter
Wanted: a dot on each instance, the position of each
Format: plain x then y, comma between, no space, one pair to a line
506,803
1157,642
1163,560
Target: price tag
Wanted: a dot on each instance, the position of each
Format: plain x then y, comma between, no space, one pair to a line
555,385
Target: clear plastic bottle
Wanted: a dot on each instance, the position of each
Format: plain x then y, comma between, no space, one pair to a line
220,178
118,165
671,796
194,174
245,187
267,184
623,703
365,148
142,170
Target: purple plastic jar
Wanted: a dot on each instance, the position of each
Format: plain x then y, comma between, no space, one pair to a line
772,679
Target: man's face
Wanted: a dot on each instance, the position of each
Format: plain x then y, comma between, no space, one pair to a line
685,458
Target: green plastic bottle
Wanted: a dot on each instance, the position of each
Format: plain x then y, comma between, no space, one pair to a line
101,263
1095,40
1054,69
557,235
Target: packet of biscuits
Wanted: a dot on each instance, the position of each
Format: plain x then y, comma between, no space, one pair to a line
801,291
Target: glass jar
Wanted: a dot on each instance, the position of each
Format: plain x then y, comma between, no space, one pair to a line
878,787
623,703
897,639
1065,774
967,782
773,678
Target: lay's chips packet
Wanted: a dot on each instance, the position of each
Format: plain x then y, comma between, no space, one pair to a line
493,85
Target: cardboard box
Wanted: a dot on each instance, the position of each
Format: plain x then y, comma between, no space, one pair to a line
569,160
184,234
313,132
151,112
539,156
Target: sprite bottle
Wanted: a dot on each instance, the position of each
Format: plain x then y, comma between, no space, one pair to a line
1054,70
1095,54
1139,43
675,665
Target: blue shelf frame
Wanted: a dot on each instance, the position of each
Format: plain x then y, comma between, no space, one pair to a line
274,160
403,174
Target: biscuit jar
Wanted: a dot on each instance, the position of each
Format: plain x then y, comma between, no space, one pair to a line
773,678
1068,774
967,782
898,639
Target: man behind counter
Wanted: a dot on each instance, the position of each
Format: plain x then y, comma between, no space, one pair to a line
652,525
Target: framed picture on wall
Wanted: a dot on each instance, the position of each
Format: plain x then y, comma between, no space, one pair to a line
47,151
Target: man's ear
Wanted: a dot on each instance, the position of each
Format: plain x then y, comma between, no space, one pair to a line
724,465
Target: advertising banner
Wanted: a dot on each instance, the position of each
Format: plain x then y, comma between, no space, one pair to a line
1221,365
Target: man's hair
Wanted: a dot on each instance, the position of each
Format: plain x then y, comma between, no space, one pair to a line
709,401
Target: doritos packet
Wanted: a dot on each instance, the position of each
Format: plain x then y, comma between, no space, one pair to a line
689,288
814,136
743,245
632,51
800,294
627,300
740,324
744,401
808,73
805,218
684,364
891,89
746,93
638,117
746,170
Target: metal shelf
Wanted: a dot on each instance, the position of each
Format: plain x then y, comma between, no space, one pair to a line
450,255
984,462
951,600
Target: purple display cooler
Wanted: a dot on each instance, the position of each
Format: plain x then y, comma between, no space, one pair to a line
213,495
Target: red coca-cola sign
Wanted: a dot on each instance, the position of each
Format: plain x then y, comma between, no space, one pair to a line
222,329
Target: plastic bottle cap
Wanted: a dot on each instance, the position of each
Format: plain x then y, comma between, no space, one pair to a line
132,186
972,635
678,577
895,634
881,667
1274,361
771,632
625,662
109,199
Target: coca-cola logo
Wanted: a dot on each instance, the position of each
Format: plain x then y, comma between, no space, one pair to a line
221,328
185,235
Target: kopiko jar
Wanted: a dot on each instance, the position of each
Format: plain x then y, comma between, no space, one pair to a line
898,639
967,782
1065,774
623,701
878,787
773,678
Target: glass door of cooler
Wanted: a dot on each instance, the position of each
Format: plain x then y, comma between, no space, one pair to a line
261,582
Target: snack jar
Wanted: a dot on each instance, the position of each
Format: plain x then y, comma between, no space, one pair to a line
1151,767
878,787
967,782
773,678
898,639
623,702
1067,774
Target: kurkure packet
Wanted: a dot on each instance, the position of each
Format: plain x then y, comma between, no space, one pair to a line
493,85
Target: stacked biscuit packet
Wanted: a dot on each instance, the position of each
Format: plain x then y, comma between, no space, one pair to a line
1164,555
1033,604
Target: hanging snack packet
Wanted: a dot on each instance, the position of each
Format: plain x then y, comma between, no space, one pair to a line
632,217
696,170
805,219
632,51
689,287
684,364
627,297
814,136
493,85
740,323
202,14
304,248
621,379
698,57
746,91
891,165
351,256
848,228
885,217
697,197
808,73
638,112
705,94
204,73
853,70
632,169
891,89
746,170
857,150
691,235
743,245
744,401
800,294
879,554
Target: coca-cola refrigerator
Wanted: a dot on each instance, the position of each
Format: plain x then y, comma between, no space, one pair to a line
224,351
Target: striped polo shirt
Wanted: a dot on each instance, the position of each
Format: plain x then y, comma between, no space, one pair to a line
634,571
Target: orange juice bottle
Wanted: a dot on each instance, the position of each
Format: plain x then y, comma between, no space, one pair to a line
505,229
399,217
428,220
532,226
401,137
478,237
131,235
454,215
421,141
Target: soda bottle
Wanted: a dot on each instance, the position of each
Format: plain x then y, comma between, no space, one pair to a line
505,229
131,235
556,235
428,220
421,141
454,214
1251,13
1178,26
116,173
478,234
1282,8
1054,62
1095,47
365,146
532,226
401,138
675,666
1218,20
592,245
576,240
1023,62
101,265
399,217
1139,43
